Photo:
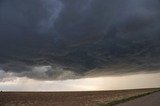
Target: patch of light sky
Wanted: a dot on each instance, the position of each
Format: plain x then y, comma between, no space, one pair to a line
86,84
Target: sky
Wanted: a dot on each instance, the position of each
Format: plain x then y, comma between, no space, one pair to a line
86,84
65,41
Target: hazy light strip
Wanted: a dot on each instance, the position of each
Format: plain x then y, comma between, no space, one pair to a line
87,84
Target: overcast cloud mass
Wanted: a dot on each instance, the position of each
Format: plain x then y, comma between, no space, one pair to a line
69,39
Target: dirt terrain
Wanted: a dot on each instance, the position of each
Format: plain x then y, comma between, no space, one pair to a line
66,98
150,100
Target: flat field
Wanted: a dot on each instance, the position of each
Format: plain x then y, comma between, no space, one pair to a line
92,98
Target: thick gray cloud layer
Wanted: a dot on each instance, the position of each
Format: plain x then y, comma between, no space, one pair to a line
63,39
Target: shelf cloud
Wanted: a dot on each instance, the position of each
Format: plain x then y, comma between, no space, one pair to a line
70,39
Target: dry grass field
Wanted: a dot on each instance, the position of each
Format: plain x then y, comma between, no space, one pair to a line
66,98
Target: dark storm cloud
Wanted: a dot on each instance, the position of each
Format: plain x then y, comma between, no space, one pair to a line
65,39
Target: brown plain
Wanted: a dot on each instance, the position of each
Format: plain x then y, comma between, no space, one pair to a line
92,98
